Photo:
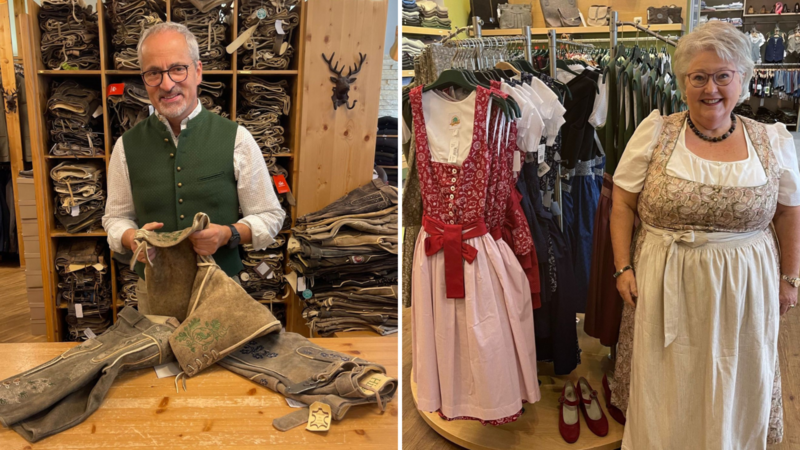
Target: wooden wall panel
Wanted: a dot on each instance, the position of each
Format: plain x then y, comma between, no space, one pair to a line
338,147
627,9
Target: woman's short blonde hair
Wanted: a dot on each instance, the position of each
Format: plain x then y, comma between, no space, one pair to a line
730,44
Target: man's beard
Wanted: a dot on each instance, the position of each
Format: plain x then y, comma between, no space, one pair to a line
174,110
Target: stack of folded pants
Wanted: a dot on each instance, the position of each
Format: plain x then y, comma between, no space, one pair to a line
263,104
80,198
209,21
84,286
287,199
128,108
269,45
347,255
69,35
386,154
411,49
129,19
270,286
411,14
73,113
212,96
127,279
433,15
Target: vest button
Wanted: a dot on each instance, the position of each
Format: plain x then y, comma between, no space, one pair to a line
166,139
179,169
180,184
180,200
172,155
181,216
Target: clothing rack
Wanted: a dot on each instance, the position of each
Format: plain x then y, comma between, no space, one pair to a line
778,65
613,24
455,33
482,41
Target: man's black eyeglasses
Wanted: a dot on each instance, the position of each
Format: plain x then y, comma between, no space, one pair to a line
153,78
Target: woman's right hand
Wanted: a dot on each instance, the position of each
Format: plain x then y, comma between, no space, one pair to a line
626,285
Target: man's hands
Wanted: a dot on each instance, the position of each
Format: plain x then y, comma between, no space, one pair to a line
207,242
127,240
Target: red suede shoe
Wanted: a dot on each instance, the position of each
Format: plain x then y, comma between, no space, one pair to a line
612,410
568,421
590,406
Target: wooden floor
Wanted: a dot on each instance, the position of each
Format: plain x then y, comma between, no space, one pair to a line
14,313
417,435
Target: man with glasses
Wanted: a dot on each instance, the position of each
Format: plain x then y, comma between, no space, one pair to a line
183,160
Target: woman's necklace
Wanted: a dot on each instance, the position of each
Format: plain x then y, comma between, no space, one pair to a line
709,138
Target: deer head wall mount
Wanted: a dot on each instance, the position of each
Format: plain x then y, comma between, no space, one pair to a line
341,88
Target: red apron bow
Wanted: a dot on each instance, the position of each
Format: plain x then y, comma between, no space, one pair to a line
450,239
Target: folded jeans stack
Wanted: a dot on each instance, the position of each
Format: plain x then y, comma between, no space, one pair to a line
73,116
209,21
347,256
69,35
286,200
411,14
129,19
386,154
211,96
84,286
263,104
127,106
80,198
269,45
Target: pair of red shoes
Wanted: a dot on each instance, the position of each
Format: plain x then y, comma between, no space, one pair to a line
585,398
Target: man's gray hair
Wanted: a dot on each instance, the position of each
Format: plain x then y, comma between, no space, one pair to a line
191,41
730,44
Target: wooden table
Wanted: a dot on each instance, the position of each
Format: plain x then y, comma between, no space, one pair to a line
537,428
219,410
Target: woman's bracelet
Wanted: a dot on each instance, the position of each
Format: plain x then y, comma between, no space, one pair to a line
623,270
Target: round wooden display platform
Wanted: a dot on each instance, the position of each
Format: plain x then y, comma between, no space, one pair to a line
538,426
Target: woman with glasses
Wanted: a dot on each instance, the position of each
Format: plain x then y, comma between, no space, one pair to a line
713,264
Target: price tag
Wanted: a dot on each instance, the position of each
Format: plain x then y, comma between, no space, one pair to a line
453,157
294,403
78,310
517,162
540,153
301,284
98,112
75,211
555,209
89,333
261,14
167,370
116,89
265,270
319,417
543,169
280,184
279,26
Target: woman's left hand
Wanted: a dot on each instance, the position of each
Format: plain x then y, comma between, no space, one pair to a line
788,296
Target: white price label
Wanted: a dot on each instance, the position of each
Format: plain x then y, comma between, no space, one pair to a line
294,403
89,333
301,284
517,163
75,211
98,112
540,153
543,169
453,157
279,26
167,370
78,310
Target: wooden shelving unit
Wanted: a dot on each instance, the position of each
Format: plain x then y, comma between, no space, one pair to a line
408,73
425,31
578,30
38,88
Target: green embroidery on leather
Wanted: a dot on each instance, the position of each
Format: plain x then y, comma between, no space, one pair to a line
204,336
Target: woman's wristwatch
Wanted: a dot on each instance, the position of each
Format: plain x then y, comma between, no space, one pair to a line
623,270
793,281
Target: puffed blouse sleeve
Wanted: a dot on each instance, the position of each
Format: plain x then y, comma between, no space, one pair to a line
783,148
632,168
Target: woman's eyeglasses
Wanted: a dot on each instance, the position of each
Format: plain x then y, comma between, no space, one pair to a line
721,78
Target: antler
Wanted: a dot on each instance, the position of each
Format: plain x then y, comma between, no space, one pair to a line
333,68
357,67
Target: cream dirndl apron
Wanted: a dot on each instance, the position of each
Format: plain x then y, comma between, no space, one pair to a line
706,323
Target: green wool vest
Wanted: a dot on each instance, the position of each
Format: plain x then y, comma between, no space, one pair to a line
171,185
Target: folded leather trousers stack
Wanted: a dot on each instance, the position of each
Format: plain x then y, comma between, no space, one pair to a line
128,109
264,103
212,96
264,289
267,49
287,200
127,280
69,35
211,28
352,239
129,19
73,128
83,280
65,391
80,198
